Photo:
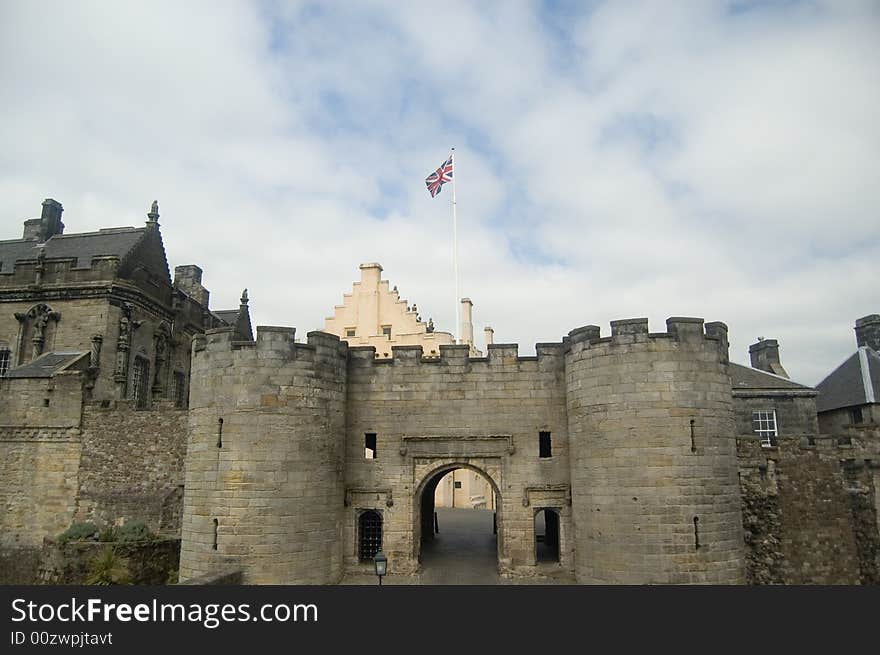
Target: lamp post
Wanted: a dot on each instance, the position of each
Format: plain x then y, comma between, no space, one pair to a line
381,564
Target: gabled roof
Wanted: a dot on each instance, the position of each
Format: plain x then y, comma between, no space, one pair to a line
855,382
239,318
228,316
746,378
46,365
113,242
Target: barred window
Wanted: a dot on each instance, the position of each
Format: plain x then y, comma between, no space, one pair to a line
4,361
370,537
764,425
140,382
178,389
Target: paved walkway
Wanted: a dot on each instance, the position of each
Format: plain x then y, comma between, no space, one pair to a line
464,551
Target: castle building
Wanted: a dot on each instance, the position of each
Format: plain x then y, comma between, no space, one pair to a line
850,395
374,315
95,343
633,456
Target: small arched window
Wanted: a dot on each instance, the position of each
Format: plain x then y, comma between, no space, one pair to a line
369,535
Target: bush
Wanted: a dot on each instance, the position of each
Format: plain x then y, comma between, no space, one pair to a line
133,531
107,534
79,532
109,568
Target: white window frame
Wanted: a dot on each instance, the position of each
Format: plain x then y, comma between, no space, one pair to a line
765,426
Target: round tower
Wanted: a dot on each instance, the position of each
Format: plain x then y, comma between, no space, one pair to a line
264,487
654,485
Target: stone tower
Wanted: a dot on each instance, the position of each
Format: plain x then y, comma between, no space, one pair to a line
655,495
264,474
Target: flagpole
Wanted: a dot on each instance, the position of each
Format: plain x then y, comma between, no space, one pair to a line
455,254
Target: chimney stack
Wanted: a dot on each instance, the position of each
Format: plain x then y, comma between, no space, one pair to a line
765,356
48,225
467,324
868,332
490,335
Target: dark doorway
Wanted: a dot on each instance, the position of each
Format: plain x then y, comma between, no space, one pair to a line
547,535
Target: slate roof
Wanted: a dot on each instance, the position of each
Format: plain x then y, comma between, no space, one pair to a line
228,316
855,382
745,377
46,365
237,318
113,242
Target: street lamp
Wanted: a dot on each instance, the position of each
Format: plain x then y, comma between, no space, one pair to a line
381,563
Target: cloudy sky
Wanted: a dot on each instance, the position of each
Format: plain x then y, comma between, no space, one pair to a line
613,160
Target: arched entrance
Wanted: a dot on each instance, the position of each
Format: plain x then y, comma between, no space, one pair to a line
464,539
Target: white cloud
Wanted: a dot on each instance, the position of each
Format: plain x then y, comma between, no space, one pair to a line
642,159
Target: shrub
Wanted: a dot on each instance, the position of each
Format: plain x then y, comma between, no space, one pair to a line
107,534
79,532
133,531
109,568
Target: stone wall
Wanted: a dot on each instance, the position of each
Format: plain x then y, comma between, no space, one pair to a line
840,420
810,509
264,486
431,415
653,469
39,457
19,565
153,562
132,464
79,320
795,411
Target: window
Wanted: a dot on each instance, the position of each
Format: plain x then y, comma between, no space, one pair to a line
370,451
855,415
370,535
386,331
349,332
4,361
458,484
764,425
178,389
544,444
140,382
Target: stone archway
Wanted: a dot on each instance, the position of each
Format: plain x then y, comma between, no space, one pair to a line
423,503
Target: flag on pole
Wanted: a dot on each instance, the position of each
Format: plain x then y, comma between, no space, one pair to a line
439,177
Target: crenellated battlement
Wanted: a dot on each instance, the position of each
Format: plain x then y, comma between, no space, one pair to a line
679,329
272,342
498,355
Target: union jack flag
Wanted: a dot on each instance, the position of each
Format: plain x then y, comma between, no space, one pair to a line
439,177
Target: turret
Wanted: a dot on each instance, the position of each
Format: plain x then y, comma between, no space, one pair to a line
264,485
655,495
